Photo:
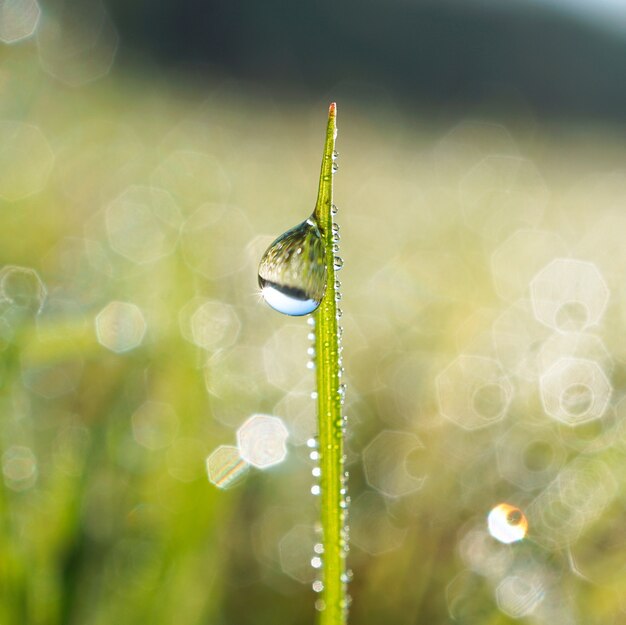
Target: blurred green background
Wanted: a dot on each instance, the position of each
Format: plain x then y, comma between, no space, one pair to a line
149,153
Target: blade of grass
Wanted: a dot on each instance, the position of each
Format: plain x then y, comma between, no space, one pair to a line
329,406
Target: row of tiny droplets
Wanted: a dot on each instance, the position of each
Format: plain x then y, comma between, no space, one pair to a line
313,444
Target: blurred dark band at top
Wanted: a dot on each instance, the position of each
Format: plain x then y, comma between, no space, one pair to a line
445,53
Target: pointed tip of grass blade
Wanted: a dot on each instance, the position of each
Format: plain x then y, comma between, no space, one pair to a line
332,109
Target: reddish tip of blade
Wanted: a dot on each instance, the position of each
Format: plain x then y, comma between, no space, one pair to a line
332,109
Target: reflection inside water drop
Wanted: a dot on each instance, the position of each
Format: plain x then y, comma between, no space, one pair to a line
292,272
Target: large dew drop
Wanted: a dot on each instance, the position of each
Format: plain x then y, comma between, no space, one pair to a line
292,272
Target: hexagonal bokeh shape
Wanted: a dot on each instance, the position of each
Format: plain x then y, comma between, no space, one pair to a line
26,160
529,458
120,326
385,462
468,143
235,379
571,502
298,410
143,223
371,528
501,192
225,466
519,595
19,467
18,19
193,178
209,324
482,554
22,287
600,556
575,391
155,424
296,549
262,441
77,42
515,261
228,228
517,337
281,356
574,345
51,379
473,392
468,598
569,295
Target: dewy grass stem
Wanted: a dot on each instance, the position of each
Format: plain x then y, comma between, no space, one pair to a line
333,600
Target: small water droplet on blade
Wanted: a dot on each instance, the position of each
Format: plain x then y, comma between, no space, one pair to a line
292,272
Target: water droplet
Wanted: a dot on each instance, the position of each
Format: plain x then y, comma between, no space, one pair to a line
347,576
339,315
316,472
315,490
318,548
310,365
311,443
292,272
311,336
337,296
335,155
333,209
318,586
335,228
337,263
320,604
310,351
311,321
313,394
335,167
316,562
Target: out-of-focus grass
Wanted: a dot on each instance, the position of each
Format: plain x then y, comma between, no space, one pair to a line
98,528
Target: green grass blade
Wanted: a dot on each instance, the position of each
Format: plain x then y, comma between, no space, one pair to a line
329,406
